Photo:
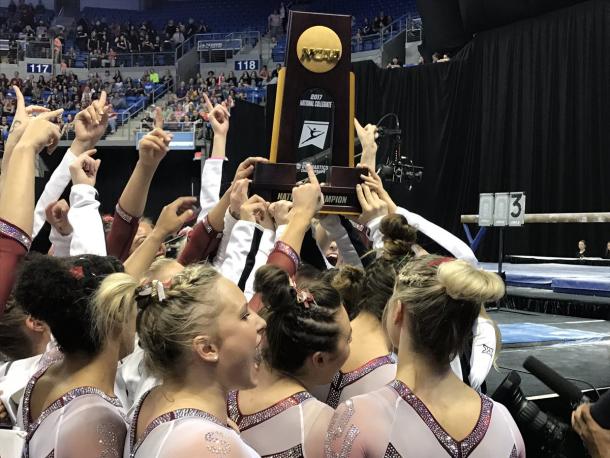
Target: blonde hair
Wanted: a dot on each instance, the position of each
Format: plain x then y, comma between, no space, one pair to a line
112,304
166,326
442,299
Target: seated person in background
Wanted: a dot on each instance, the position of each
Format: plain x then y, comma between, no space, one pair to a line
395,63
582,249
607,251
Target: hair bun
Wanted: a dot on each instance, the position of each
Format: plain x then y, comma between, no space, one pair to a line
274,285
349,282
398,236
462,281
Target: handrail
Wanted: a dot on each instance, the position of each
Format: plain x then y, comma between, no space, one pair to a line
143,59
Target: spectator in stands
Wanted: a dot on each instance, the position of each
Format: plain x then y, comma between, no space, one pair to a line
118,101
8,108
147,45
191,28
582,249
41,31
121,44
153,76
275,73
283,16
256,80
394,63
231,79
385,20
168,44
376,24
211,79
181,91
86,97
92,42
57,47
4,82
275,24
264,74
366,27
245,79
4,126
82,38
170,28
16,80
112,55
607,252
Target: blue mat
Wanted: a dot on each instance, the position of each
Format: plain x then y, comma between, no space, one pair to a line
523,333
559,278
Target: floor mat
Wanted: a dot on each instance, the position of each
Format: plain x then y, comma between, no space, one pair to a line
531,333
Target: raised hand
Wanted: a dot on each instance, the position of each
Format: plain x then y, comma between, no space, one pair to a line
154,146
246,168
22,116
255,211
239,196
218,116
57,216
175,215
280,211
307,198
90,125
373,181
84,169
41,133
367,136
372,205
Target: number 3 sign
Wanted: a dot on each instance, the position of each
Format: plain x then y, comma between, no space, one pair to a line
502,209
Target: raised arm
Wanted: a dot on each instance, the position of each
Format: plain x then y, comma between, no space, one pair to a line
17,198
367,136
152,149
457,247
88,230
89,126
171,219
211,169
20,122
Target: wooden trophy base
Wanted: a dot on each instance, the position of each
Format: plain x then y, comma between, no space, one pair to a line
274,182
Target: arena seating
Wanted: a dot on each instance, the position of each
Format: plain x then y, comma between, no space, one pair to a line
248,15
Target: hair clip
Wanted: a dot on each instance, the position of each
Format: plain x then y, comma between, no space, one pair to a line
305,297
302,295
145,290
160,291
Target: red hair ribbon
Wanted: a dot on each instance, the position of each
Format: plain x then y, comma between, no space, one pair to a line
438,262
77,272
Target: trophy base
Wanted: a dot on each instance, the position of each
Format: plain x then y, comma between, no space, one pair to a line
274,182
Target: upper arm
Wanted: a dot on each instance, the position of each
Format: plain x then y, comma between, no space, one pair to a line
193,440
11,254
344,436
92,432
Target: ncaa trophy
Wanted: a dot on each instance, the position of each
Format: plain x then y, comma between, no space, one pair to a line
314,115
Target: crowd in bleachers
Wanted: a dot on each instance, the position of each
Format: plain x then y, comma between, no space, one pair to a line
126,95
186,105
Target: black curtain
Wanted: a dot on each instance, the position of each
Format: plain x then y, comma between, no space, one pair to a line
521,108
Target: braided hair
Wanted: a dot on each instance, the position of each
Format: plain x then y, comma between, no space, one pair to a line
300,321
171,314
